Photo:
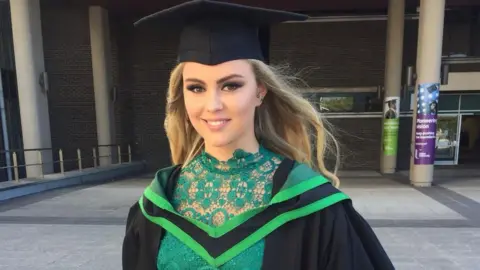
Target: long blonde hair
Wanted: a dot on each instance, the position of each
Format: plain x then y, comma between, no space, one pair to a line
285,122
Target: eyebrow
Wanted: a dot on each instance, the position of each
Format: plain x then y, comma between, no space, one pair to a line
219,81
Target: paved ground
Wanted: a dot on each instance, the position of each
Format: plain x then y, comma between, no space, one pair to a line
82,228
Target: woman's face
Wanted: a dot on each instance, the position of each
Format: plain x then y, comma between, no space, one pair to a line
220,101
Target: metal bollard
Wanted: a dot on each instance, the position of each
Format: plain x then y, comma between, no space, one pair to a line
40,161
94,157
79,157
129,153
15,166
60,155
119,150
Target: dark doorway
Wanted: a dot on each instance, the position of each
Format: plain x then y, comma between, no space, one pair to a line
469,152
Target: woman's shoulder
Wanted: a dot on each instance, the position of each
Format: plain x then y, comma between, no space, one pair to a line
167,170
311,190
301,174
331,216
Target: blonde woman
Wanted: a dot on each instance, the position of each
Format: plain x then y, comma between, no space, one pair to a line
244,191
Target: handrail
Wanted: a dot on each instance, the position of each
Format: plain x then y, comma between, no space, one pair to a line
96,157
46,149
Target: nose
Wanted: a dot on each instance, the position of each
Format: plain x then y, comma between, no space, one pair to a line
214,101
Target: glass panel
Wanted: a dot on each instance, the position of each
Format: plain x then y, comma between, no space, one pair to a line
470,102
447,141
448,102
337,104
370,103
345,102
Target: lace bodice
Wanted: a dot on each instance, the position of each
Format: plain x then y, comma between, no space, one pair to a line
213,192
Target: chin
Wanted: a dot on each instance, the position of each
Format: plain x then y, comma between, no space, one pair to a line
218,140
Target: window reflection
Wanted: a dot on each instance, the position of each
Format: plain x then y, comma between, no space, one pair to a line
336,104
345,102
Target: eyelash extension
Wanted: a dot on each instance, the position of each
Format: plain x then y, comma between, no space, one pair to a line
193,88
233,85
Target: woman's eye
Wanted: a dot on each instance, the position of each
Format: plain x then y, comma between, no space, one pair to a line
195,88
232,86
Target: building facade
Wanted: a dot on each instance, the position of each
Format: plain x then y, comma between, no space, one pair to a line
340,54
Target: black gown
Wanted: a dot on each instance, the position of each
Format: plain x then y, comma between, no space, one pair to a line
311,225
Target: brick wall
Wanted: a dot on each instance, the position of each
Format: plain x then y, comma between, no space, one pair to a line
68,61
359,140
328,54
121,35
334,55
153,57
71,98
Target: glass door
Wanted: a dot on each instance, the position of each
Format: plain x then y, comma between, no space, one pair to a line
447,141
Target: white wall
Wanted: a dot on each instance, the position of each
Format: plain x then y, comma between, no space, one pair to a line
462,81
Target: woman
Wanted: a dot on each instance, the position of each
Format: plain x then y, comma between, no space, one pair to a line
243,193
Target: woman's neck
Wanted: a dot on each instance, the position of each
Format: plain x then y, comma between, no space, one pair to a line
224,153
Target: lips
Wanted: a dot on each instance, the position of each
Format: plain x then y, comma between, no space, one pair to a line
216,124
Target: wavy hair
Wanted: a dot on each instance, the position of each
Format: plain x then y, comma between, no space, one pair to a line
286,122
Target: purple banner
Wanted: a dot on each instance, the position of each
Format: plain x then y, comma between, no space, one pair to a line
425,139
426,125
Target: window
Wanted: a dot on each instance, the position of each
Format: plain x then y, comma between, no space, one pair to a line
336,104
470,102
345,102
448,102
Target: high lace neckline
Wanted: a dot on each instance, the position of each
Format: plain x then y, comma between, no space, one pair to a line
240,160
213,192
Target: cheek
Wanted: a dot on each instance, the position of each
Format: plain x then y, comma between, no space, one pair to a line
193,108
243,107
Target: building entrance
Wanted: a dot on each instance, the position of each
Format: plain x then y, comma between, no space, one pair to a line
458,139
458,129
447,141
469,146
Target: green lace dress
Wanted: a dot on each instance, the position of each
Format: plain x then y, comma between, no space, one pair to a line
213,192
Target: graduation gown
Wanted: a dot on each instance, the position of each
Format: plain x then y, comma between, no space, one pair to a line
308,225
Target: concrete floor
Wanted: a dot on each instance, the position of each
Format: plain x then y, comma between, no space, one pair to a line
82,228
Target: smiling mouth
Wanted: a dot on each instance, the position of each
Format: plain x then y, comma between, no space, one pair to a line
216,124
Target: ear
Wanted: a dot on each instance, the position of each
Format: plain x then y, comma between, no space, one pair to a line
261,93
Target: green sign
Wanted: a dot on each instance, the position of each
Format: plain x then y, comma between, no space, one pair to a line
390,136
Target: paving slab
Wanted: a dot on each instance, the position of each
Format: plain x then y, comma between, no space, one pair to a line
43,247
98,201
83,228
471,193
398,203
427,248
363,182
468,187
24,187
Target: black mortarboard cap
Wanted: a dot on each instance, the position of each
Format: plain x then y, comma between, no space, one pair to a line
215,32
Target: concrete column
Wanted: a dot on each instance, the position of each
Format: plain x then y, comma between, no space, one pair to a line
429,59
29,63
393,85
102,82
